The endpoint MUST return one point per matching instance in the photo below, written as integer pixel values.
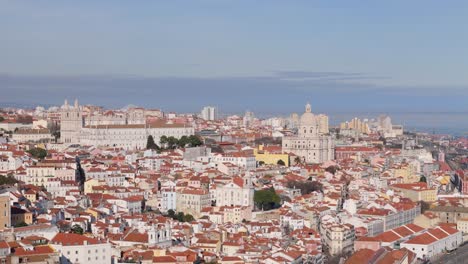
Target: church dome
(308, 119)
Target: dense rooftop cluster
(385, 197)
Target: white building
(168, 198)
(133, 135)
(239, 192)
(311, 144)
(9, 163)
(434, 241)
(209, 113)
(244, 161)
(74, 248)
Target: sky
(265, 56)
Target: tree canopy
(306, 187)
(7, 180)
(281, 162)
(180, 216)
(38, 153)
(22, 224)
(77, 229)
(266, 199)
(150, 144)
(185, 141)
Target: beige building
(462, 225)
(357, 125)
(427, 220)
(5, 219)
(310, 144)
(339, 238)
(192, 201)
(450, 214)
(19, 215)
(416, 191)
(33, 135)
(323, 123)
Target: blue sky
(268, 56)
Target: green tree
(281, 163)
(261, 163)
(195, 141)
(171, 213)
(172, 142)
(423, 179)
(188, 218)
(77, 229)
(38, 153)
(22, 224)
(183, 141)
(7, 180)
(163, 141)
(306, 187)
(150, 144)
(180, 216)
(2, 119)
(266, 199)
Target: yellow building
(270, 155)
(30, 195)
(89, 184)
(406, 172)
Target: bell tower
(71, 122)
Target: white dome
(308, 119)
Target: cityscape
(231, 132)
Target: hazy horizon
(269, 57)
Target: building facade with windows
(311, 144)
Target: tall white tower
(71, 122)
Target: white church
(312, 144)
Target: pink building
(367, 242)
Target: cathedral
(312, 143)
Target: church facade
(74, 130)
(312, 143)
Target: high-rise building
(209, 113)
(357, 125)
(323, 123)
(5, 218)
